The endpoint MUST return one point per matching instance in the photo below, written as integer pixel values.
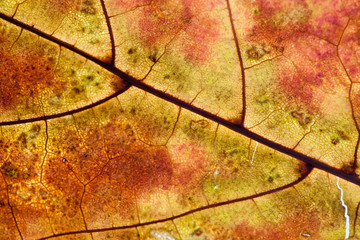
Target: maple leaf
(150, 119)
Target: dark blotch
(90, 77)
(131, 50)
(270, 179)
(76, 90)
(88, 8)
(10, 170)
(335, 141)
(22, 140)
(253, 53)
(152, 58)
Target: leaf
(179, 119)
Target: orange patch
(25, 76)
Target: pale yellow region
(192, 155)
(356, 90)
(235, 176)
(132, 56)
(215, 85)
(79, 24)
(153, 119)
(153, 206)
(35, 135)
(185, 201)
(160, 231)
(332, 140)
(314, 201)
(321, 193)
(131, 233)
(267, 114)
(80, 236)
(195, 130)
(8, 6)
(226, 155)
(217, 222)
(9, 34)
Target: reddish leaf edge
(167, 97)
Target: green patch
(22, 139)
(88, 8)
(301, 117)
(255, 53)
(10, 170)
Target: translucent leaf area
(177, 120)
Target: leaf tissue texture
(183, 119)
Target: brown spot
(118, 84)
(198, 232)
(35, 128)
(90, 77)
(22, 140)
(342, 135)
(302, 119)
(236, 121)
(153, 57)
(10, 170)
(88, 7)
(270, 179)
(195, 125)
(304, 168)
(131, 50)
(256, 53)
(335, 141)
(348, 168)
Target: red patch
(161, 21)
(142, 169)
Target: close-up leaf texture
(179, 119)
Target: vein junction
(347, 225)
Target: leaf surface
(179, 119)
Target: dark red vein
(167, 97)
(242, 120)
(214, 205)
(112, 62)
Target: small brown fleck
(198, 232)
(335, 141)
